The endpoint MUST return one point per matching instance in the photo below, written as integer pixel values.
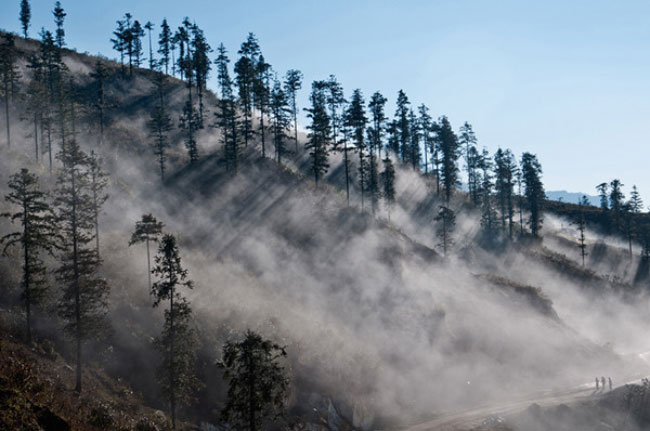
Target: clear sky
(567, 80)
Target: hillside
(380, 328)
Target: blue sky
(568, 81)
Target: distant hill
(571, 197)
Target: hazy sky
(568, 81)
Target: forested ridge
(230, 266)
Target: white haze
(366, 317)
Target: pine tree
(636, 203)
(488, 215)
(189, 123)
(446, 223)
(357, 121)
(345, 146)
(603, 192)
(164, 44)
(98, 182)
(64, 100)
(414, 154)
(425, 128)
(520, 180)
(9, 74)
(52, 67)
(160, 125)
(38, 235)
(120, 41)
(531, 171)
(582, 225)
(245, 73)
(631, 209)
(227, 120)
(616, 197)
(37, 100)
(293, 83)
(83, 303)
(201, 65)
(393, 138)
(505, 167)
(449, 153)
(137, 33)
(257, 382)
(280, 117)
(182, 39)
(387, 178)
(474, 183)
(59, 17)
(335, 101)
(152, 61)
(177, 341)
(373, 173)
(467, 140)
(376, 107)
(436, 158)
(147, 229)
(319, 137)
(128, 39)
(100, 74)
(261, 89)
(616, 205)
(402, 127)
(25, 16)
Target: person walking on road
(610, 383)
(597, 384)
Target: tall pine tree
(38, 235)
(319, 137)
(83, 303)
(177, 342)
(531, 171)
(226, 115)
(59, 17)
(449, 153)
(293, 83)
(25, 16)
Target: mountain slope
(374, 319)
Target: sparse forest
(301, 240)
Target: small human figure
(610, 383)
(597, 384)
(602, 381)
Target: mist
(372, 315)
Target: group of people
(600, 384)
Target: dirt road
(471, 418)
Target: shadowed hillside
(381, 324)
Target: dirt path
(467, 419)
(472, 418)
